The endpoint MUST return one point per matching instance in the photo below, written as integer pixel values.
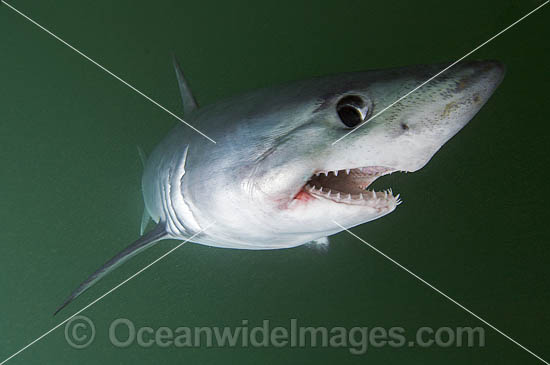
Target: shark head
(292, 160)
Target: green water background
(474, 222)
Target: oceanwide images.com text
(80, 333)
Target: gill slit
(170, 205)
(168, 219)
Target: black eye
(352, 110)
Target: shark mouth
(350, 186)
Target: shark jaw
(350, 186)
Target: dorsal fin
(189, 102)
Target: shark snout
(435, 113)
(487, 73)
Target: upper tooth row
(335, 172)
(362, 169)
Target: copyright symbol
(79, 332)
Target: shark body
(275, 178)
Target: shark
(291, 160)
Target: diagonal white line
(440, 72)
(109, 72)
(103, 296)
(439, 292)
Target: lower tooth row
(340, 195)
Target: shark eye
(352, 110)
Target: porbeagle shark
(275, 178)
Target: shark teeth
(398, 200)
(349, 186)
(360, 171)
(378, 198)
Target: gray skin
(276, 179)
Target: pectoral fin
(145, 219)
(320, 243)
(142, 156)
(323, 241)
(144, 242)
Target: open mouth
(350, 186)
